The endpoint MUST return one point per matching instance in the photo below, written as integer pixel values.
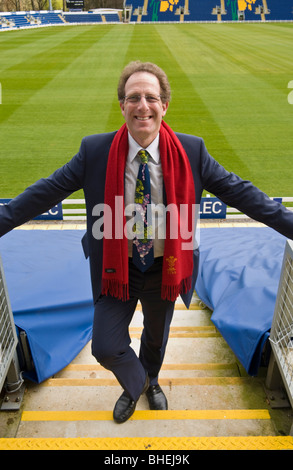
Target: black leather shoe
(125, 406)
(156, 398)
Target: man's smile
(141, 118)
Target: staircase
(213, 404)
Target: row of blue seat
(91, 18)
(76, 18)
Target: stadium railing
(211, 208)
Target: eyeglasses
(137, 98)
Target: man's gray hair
(138, 66)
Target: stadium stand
(209, 10)
(23, 19)
(44, 18)
(159, 11)
(103, 16)
(47, 17)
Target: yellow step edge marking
(200, 366)
(151, 443)
(191, 307)
(75, 382)
(183, 332)
(186, 335)
(190, 329)
(179, 306)
(143, 415)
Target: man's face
(143, 116)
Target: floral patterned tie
(143, 252)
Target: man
(175, 168)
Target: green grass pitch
(229, 86)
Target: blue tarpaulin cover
(49, 287)
(238, 278)
(50, 291)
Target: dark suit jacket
(87, 171)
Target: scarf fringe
(171, 292)
(116, 289)
(119, 290)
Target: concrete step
(145, 423)
(213, 404)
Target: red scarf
(179, 185)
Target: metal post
(273, 378)
(14, 387)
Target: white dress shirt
(156, 176)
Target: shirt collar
(153, 149)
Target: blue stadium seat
(112, 18)
(48, 17)
(82, 18)
(20, 20)
(280, 9)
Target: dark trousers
(111, 340)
